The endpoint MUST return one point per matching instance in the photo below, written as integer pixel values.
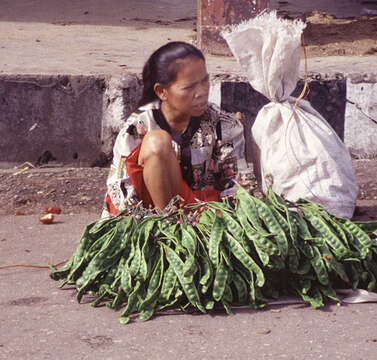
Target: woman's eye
(192, 86)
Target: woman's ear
(160, 91)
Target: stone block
(59, 115)
(121, 96)
(75, 119)
(71, 119)
(240, 96)
(328, 97)
(361, 117)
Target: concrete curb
(68, 118)
(74, 119)
(349, 104)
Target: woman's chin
(199, 110)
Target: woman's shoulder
(140, 120)
(215, 115)
(213, 110)
(145, 111)
(150, 106)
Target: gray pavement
(40, 321)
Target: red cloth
(135, 172)
(108, 205)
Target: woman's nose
(202, 89)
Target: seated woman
(175, 143)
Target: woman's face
(187, 95)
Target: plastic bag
(295, 150)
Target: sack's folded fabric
(295, 150)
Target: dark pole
(215, 15)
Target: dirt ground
(327, 35)
(73, 190)
(113, 36)
(81, 190)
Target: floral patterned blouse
(211, 152)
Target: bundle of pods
(221, 254)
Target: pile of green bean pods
(221, 255)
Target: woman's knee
(156, 142)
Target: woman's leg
(161, 173)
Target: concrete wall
(120, 99)
(361, 117)
(348, 104)
(72, 119)
(75, 119)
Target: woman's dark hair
(160, 68)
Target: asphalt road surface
(40, 321)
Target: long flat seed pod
(237, 250)
(148, 237)
(207, 217)
(319, 267)
(275, 200)
(372, 270)
(304, 266)
(367, 226)
(241, 286)
(273, 225)
(220, 206)
(221, 278)
(215, 240)
(105, 258)
(313, 297)
(333, 264)
(260, 242)
(364, 239)
(168, 284)
(154, 286)
(337, 228)
(263, 256)
(279, 204)
(188, 287)
(131, 305)
(329, 292)
(229, 256)
(62, 272)
(228, 294)
(340, 250)
(80, 260)
(247, 203)
(135, 262)
(189, 243)
(146, 314)
(233, 226)
(206, 278)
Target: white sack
(300, 156)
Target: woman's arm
(229, 155)
(120, 190)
